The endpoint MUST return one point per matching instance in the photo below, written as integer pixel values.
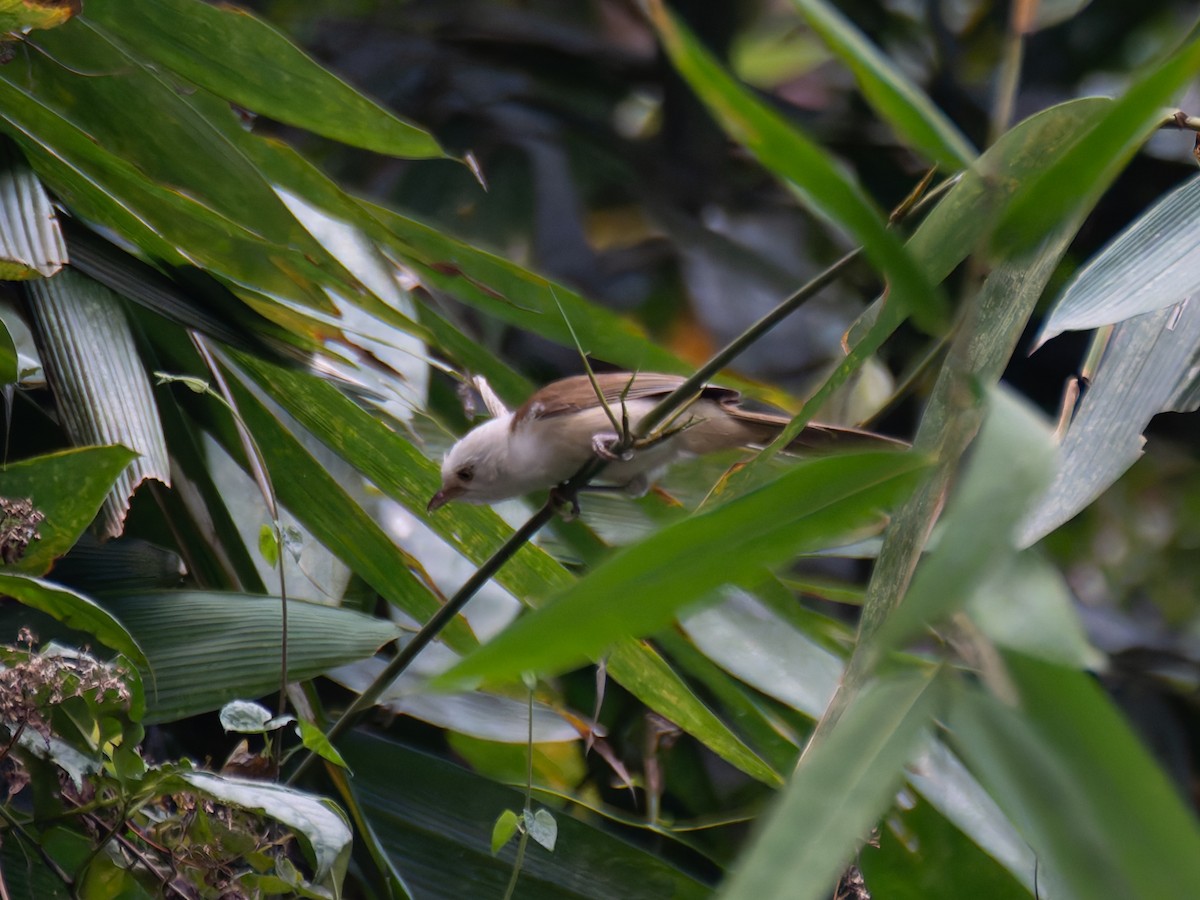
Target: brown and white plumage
(557, 430)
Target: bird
(563, 425)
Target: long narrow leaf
(893, 97)
(260, 70)
(817, 504)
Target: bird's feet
(604, 445)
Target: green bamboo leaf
(839, 791)
(84, 135)
(1075, 181)
(1013, 459)
(236, 55)
(958, 223)
(817, 504)
(1146, 361)
(783, 149)
(1101, 816)
(1149, 265)
(75, 611)
(891, 94)
(68, 488)
(194, 134)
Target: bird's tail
(759, 429)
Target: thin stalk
(528, 813)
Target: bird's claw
(604, 446)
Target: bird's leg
(605, 444)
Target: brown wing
(575, 393)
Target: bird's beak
(442, 497)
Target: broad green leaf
(783, 149)
(840, 789)
(236, 55)
(818, 503)
(311, 494)
(1160, 836)
(1074, 182)
(891, 94)
(1102, 818)
(1012, 460)
(1153, 263)
(1139, 376)
(234, 639)
(321, 826)
(75, 611)
(68, 487)
(438, 818)
(28, 875)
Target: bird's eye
(466, 473)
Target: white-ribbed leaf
(99, 384)
(321, 826)
(1146, 361)
(1152, 264)
(31, 244)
